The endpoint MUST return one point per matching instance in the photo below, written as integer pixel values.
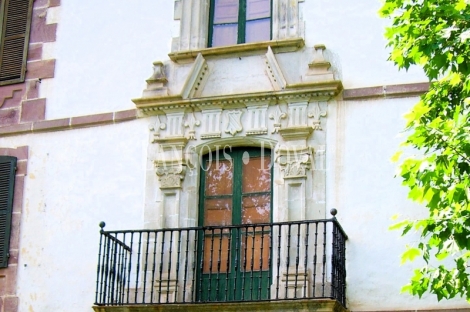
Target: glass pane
(223, 35)
(219, 177)
(256, 248)
(256, 209)
(259, 30)
(256, 9)
(226, 11)
(218, 211)
(216, 247)
(257, 175)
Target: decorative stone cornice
(283, 45)
(306, 91)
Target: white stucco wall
(80, 177)
(104, 53)
(362, 136)
(353, 33)
(75, 180)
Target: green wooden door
(234, 256)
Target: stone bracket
(197, 78)
(274, 71)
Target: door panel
(235, 192)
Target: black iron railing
(255, 262)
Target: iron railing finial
(333, 212)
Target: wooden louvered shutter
(15, 17)
(7, 184)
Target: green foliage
(435, 34)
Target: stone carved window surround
(176, 167)
(193, 17)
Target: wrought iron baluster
(130, 267)
(307, 231)
(99, 281)
(118, 273)
(315, 252)
(210, 264)
(229, 254)
(243, 268)
(154, 262)
(270, 246)
(237, 259)
(123, 270)
(170, 260)
(297, 259)
(218, 266)
(279, 228)
(106, 271)
(144, 286)
(202, 233)
(160, 269)
(178, 254)
(324, 260)
(139, 252)
(288, 260)
(186, 256)
(261, 263)
(252, 261)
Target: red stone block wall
(8, 276)
(20, 103)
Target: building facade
(220, 134)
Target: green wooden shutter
(7, 184)
(15, 17)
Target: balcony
(255, 267)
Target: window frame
(20, 75)
(235, 156)
(241, 32)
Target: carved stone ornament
(294, 163)
(170, 176)
(233, 122)
(318, 69)
(316, 113)
(277, 115)
(156, 84)
(156, 129)
(191, 123)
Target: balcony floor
(318, 305)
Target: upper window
(15, 21)
(239, 21)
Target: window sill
(284, 45)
